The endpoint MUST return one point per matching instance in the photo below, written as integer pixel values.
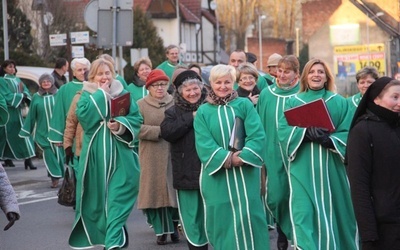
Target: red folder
(119, 106)
(312, 114)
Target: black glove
(69, 155)
(320, 136)
(11, 217)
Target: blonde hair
(222, 70)
(328, 85)
(96, 65)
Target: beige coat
(73, 129)
(155, 189)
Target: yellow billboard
(350, 59)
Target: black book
(238, 136)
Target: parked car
(30, 76)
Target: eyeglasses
(162, 85)
(247, 79)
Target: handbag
(67, 192)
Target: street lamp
(260, 18)
(367, 24)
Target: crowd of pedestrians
(220, 161)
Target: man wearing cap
(272, 65)
(238, 57)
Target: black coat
(177, 128)
(373, 151)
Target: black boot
(175, 235)
(28, 163)
(191, 247)
(282, 242)
(8, 163)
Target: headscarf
(367, 102)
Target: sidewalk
(19, 176)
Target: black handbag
(67, 193)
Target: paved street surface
(46, 225)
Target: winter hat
(273, 59)
(156, 75)
(177, 71)
(183, 76)
(46, 76)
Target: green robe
(14, 146)
(3, 111)
(168, 68)
(234, 213)
(122, 81)
(270, 107)
(353, 101)
(320, 204)
(109, 171)
(37, 125)
(63, 101)
(137, 92)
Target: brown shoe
(162, 239)
(54, 183)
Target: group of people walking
(220, 160)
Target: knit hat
(183, 76)
(156, 75)
(273, 59)
(46, 76)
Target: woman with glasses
(157, 196)
(247, 76)
(320, 205)
(230, 175)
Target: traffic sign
(58, 39)
(79, 37)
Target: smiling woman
(320, 196)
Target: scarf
(51, 91)
(212, 98)
(187, 106)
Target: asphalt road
(46, 225)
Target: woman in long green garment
(108, 168)
(37, 125)
(230, 180)
(141, 70)
(320, 205)
(17, 98)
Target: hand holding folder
(312, 114)
(119, 106)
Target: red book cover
(119, 106)
(312, 114)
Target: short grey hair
(81, 60)
(188, 82)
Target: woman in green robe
(18, 99)
(108, 168)
(320, 205)
(230, 179)
(141, 70)
(37, 125)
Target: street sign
(124, 23)
(122, 4)
(78, 51)
(79, 37)
(58, 39)
(136, 54)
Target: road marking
(35, 201)
(37, 197)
